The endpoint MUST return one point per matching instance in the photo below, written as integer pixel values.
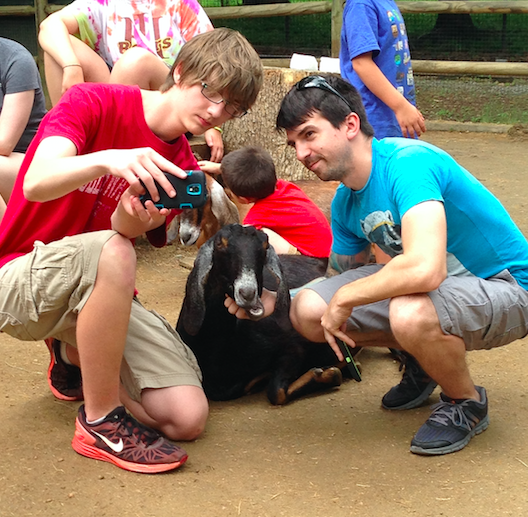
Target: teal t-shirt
(482, 239)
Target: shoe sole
(83, 448)
(57, 394)
(454, 447)
(415, 402)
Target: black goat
(235, 354)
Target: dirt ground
(335, 454)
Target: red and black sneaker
(64, 380)
(120, 439)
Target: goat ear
(193, 309)
(222, 207)
(282, 304)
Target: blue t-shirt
(377, 26)
(482, 239)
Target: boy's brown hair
(249, 172)
(225, 60)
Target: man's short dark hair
(249, 172)
(300, 104)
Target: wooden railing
(43, 8)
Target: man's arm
(421, 268)
(409, 117)
(14, 118)
(343, 263)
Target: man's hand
(334, 324)
(268, 299)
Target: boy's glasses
(316, 81)
(216, 98)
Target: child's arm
(409, 117)
(209, 167)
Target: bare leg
(140, 67)
(179, 412)
(281, 245)
(416, 328)
(102, 327)
(306, 311)
(95, 70)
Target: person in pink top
(293, 222)
(120, 41)
(67, 260)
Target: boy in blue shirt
(375, 58)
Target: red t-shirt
(295, 217)
(94, 117)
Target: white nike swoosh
(116, 447)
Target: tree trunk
(258, 126)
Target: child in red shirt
(293, 222)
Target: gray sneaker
(414, 388)
(451, 425)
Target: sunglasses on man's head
(316, 81)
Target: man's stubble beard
(339, 170)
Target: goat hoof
(281, 397)
(332, 376)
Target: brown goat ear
(283, 302)
(222, 207)
(193, 309)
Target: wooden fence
(43, 8)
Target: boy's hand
(213, 138)
(142, 165)
(411, 120)
(131, 218)
(209, 167)
(146, 213)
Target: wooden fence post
(337, 22)
(40, 14)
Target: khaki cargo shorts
(41, 294)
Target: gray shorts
(485, 313)
(41, 294)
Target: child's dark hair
(249, 172)
(300, 104)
